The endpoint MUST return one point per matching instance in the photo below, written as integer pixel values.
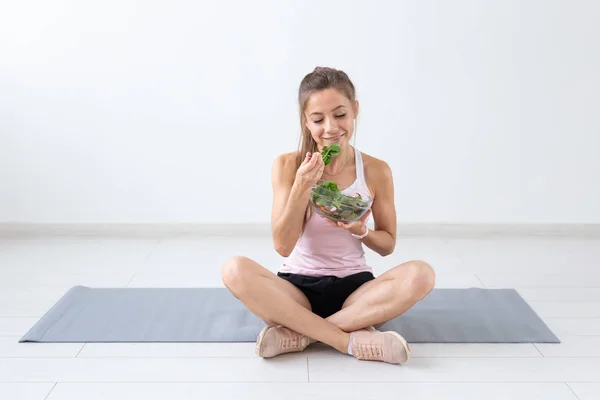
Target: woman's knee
(421, 275)
(236, 272)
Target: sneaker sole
(404, 344)
(260, 338)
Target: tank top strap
(360, 168)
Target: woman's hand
(311, 170)
(358, 227)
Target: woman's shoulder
(289, 157)
(284, 165)
(375, 167)
(286, 160)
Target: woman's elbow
(282, 249)
(385, 252)
(283, 252)
(388, 250)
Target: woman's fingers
(366, 216)
(321, 162)
(306, 159)
(314, 161)
(315, 158)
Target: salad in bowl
(344, 204)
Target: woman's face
(330, 117)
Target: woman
(325, 291)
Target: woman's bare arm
(290, 199)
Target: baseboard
(143, 230)
(162, 231)
(500, 230)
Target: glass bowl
(339, 203)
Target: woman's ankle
(344, 343)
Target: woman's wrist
(362, 234)
(300, 190)
(301, 187)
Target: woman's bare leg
(385, 298)
(278, 302)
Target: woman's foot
(275, 340)
(373, 345)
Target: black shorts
(327, 294)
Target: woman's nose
(330, 126)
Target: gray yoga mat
(85, 314)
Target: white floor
(559, 277)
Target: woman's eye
(321, 120)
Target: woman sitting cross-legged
(324, 290)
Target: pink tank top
(325, 250)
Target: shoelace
(369, 350)
(293, 343)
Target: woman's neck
(338, 164)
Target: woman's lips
(334, 137)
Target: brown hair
(320, 78)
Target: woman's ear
(356, 108)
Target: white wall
(172, 111)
